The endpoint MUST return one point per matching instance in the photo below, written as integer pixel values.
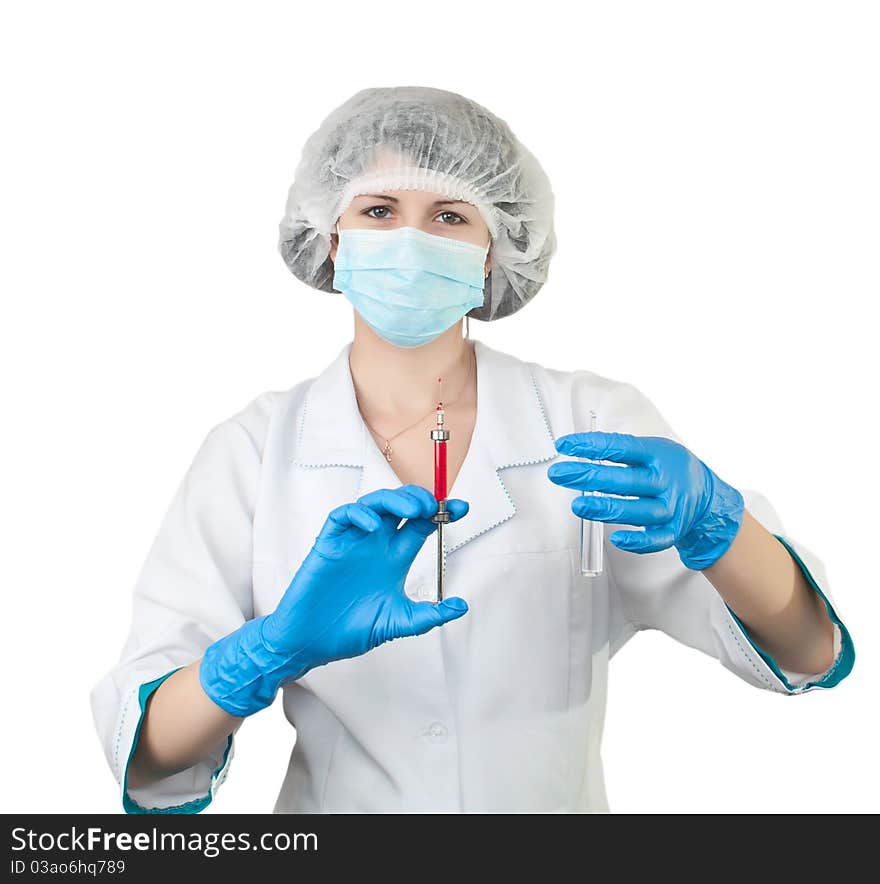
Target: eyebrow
(394, 199)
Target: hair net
(420, 138)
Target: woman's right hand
(346, 598)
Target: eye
(377, 208)
(460, 220)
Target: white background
(716, 175)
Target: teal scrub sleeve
(130, 802)
(844, 650)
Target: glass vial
(592, 533)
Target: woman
(301, 541)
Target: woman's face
(431, 212)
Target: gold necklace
(387, 450)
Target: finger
(425, 525)
(647, 541)
(638, 481)
(618, 447)
(644, 511)
(423, 496)
(347, 516)
(394, 504)
(457, 508)
(427, 615)
(411, 536)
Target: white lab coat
(499, 711)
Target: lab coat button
(425, 592)
(437, 732)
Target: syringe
(440, 436)
(592, 533)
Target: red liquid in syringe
(440, 461)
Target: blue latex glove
(346, 598)
(682, 503)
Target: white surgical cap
(420, 138)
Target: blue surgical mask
(409, 286)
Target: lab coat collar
(511, 430)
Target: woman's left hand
(681, 502)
